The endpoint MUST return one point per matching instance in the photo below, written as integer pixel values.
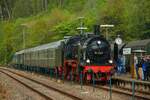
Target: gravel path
(50, 93)
(86, 93)
(17, 91)
(3, 92)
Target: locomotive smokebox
(97, 29)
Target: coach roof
(42, 47)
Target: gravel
(3, 92)
(17, 91)
(50, 93)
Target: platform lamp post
(118, 41)
(24, 44)
(81, 28)
(106, 26)
(5, 54)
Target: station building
(138, 48)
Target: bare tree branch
(7, 8)
(1, 13)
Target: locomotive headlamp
(88, 60)
(99, 42)
(110, 61)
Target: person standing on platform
(148, 69)
(136, 66)
(123, 63)
(144, 69)
(119, 65)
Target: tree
(138, 19)
(1, 13)
(112, 12)
(22, 8)
(7, 8)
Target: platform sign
(126, 51)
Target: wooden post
(132, 65)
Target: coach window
(51, 52)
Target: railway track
(124, 83)
(9, 73)
(29, 87)
(141, 88)
(125, 92)
(118, 87)
(130, 87)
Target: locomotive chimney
(97, 29)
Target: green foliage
(44, 21)
(22, 8)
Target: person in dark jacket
(148, 69)
(144, 68)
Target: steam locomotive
(86, 54)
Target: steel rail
(29, 87)
(138, 91)
(45, 85)
(119, 90)
(123, 91)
